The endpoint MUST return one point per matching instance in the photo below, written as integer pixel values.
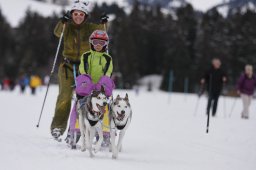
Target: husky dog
(120, 118)
(90, 110)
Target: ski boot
(106, 140)
(56, 133)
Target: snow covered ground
(165, 134)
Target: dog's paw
(114, 151)
(114, 156)
(83, 149)
(120, 149)
(91, 155)
(96, 149)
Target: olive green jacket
(76, 38)
(96, 64)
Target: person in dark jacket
(214, 79)
(245, 88)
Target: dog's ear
(102, 89)
(118, 97)
(94, 93)
(126, 97)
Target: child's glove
(107, 83)
(201, 91)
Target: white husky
(120, 118)
(91, 110)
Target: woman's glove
(66, 17)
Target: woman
(76, 35)
(245, 88)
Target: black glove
(104, 19)
(66, 17)
(201, 91)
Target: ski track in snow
(164, 134)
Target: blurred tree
(7, 44)
(181, 51)
(212, 41)
(242, 34)
(36, 42)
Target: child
(97, 62)
(95, 68)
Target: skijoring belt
(69, 61)
(68, 64)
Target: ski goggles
(81, 14)
(95, 42)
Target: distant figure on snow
(35, 81)
(23, 82)
(245, 88)
(214, 79)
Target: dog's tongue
(102, 109)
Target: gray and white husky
(91, 110)
(120, 119)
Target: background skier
(245, 88)
(214, 79)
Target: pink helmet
(99, 34)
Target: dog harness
(120, 127)
(93, 113)
(88, 110)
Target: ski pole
(224, 101)
(201, 91)
(105, 27)
(197, 104)
(74, 72)
(232, 108)
(224, 106)
(52, 71)
(208, 114)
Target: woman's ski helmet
(81, 6)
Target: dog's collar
(93, 123)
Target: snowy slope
(14, 10)
(163, 135)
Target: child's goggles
(95, 42)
